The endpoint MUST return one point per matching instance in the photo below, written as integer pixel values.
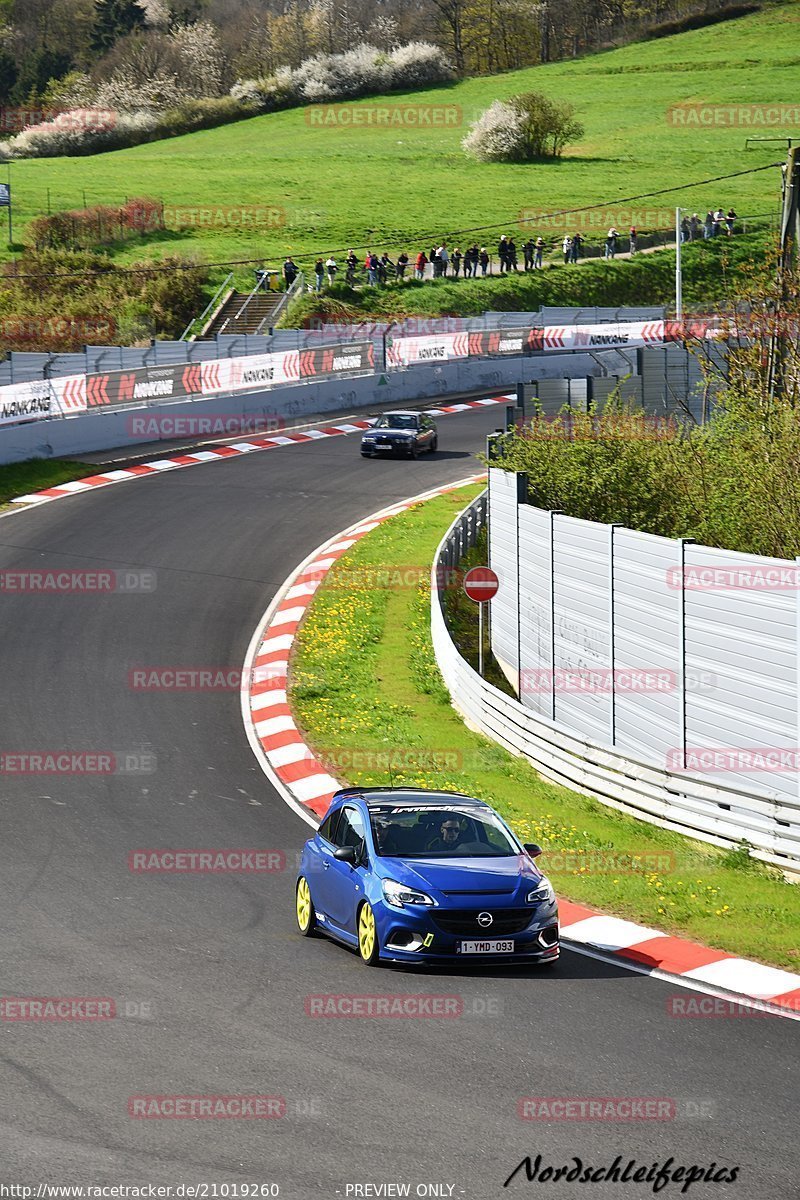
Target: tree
(37, 70)
(113, 20)
(8, 74)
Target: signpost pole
(481, 584)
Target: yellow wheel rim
(366, 932)
(303, 905)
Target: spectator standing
(319, 274)
(717, 220)
(610, 248)
(289, 272)
(483, 259)
(538, 252)
(402, 263)
(386, 268)
(372, 269)
(730, 217)
(527, 251)
(708, 225)
(436, 261)
(456, 261)
(694, 227)
(331, 269)
(633, 238)
(444, 258)
(566, 247)
(511, 251)
(352, 265)
(502, 253)
(685, 230)
(577, 246)
(420, 265)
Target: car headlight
(370, 440)
(543, 892)
(399, 895)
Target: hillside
(402, 187)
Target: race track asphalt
(207, 973)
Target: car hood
(464, 878)
(391, 433)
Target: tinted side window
(350, 830)
(327, 829)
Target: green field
(393, 187)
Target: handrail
(208, 307)
(297, 285)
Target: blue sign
(5, 195)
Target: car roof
(380, 797)
(402, 412)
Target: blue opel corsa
(409, 875)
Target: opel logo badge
(485, 920)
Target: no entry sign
(481, 584)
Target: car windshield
(436, 832)
(397, 421)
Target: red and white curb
(61, 490)
(279, 745)
(308, 788)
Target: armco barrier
(116, 426)
(719, 813)
(65, 396)
(70, 395)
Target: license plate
(486, 947)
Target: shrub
(100, 225)
(523, 129)
(497, 135)
(357, 72)
(71, 133)
(159, 105)
(57, 299)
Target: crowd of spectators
(440, 262)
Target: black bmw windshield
(440, 833)
(396, 421)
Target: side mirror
(532, 849)
(346, 854)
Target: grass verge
(18, 479)
(366, 691)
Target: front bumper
(391, 446)
(408, 936)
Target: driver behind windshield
(450, 836)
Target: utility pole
(787, 265)
(678, 275)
